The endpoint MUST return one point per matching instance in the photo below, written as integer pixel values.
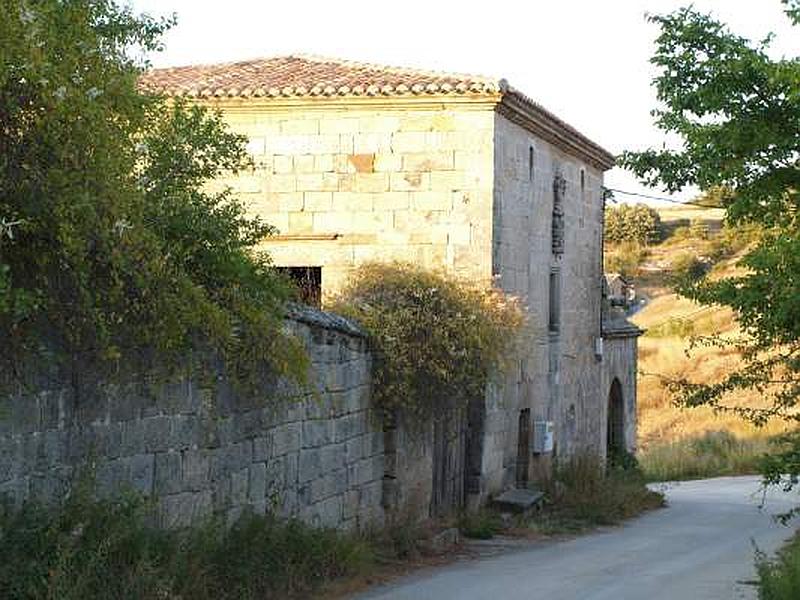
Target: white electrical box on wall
(598, 348)
(542, 437)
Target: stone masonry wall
(558, 375)
(349, 185)
(201, 448)
(619, 362)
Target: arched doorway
(615, 437)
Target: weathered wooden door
(449, 449)
(473, 452)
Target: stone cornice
(270, 105)
(510, 103)
(303, 237)
(526, 113)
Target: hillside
(672, 440)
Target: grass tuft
(481, 525)
(92, 549)
(712, 454)
(584, 494)
(779, 578)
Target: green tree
(109, 238)
(737, 111)
(718, 196)
(632, 223)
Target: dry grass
(681, 443)
(697, 442)
(660, 356)
(687, 213)
(712, 454)
(584, 494)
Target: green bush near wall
(97, 550)
(436, 339)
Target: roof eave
(518, 108)
(261, 102)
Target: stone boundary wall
(201, 448)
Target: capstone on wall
(345, 186)
(200, 448)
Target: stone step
(519, 500)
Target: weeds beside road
(712, 454)
(581, 496)
(95, 549)
(779, 578)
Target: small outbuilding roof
(612, 277)
(314, 77)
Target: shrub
(110, 238)
(732, 239)
(681, 233)
(779, 578)
(632, 223)
(436, 340)
(96, 550)
(626, 259)
(698, 229)
(685, 266)
(87, 550)
(719, 196)
(481, 525)
(584, 492)
(262, 557)
(673, 327)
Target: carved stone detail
(559, 191)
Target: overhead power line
(663, 199)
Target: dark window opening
(523, 447)
(308, 281)
(531, 162)
(583, 180)
(553, 320)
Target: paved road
(698, 548)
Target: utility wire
(685, 317)
(662, 199)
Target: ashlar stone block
(168, 473)
(310, 466)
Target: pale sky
(585, 60)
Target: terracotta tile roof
(297, 75)
(302, 76)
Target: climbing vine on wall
(436, 340)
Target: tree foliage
(436, 340)
(718, 196)
(737, 111)
(109, 238)
(632, 223)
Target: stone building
(620, 290)
(357, 162)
